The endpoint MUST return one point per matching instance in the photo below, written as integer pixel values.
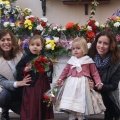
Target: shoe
(5, 114)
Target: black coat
(110, 91)
(22, 63)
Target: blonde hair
(83, 44)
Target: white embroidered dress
(76, 96)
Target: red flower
(46, 97)
(32, 19)
(91, 22)
(69, 25)
(40, 64)
(90, 34)
(77, 27)
(43, 24)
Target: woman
(105, 54)
(10, 54)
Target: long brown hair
(113, 50)
(15, 48)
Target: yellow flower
(30, 27)
(52, 43)
(6, 2)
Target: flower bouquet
(50, 95)
(38, 66)
(54, 95)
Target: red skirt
(33, 105)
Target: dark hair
(15, 48)
(37, 37)
(113, 50)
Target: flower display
(40, 64)
(71, 30)
(113, 24)
(53, 47)
(58, 38)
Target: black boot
(5, 114)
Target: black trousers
(11, 99)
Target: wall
(58, 13)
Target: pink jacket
(88, 70)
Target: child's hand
(27, 68)
(99, 86)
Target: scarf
(102, 63)
(77, 62)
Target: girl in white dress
(77, 97)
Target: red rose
(43, 24)
(46, 97)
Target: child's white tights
(73, 117)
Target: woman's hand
(24, 82)
(91, 84)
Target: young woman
(10, 94)
(33, 105)
(106, 55)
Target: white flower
(31, 16)
(58, 29)
(6, 12)
(89, 28)
(12, 24)
(56, 39)
(48, 46)
(63, 29)
(54, 28)
(6, 24)
(7, 6)
(97, 24)
(47, 39)
(89, 45)
(52, 95)
(117, 24)
(44, 19)
(39, 27)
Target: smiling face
(103, 45)
(76, 50)
(35, 46)
(6, 43)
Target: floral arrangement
(113, 24)
(40, 64)
(53, 47)
(24, 25)
(71, 30)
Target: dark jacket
(110, 90)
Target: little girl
(33, 107)
(77, 98)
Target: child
(33, 107)
(77, 98)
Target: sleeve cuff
(15, 84)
